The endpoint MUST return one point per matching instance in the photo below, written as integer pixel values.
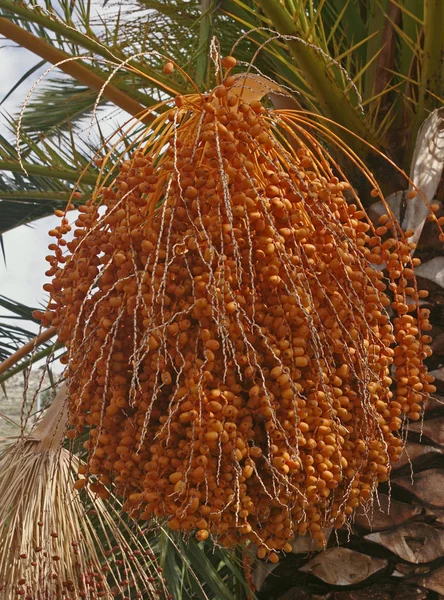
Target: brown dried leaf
(403, 569)
(414, 542)
(432, 428)
(260, 573)
(341, 566)
(438, 373)
(379, 517)
(437, 514)
(383, 591)
(304, 543)
(428, 486)
(414, 451)
(435, 402)
(434, 581)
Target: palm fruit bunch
(243, 345)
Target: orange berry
(228, 62)
(168, 68)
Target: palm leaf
(16, 334)
(66, 103)
(23, 78)
(44, 188)
(12, 337)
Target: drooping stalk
(27, 348)
(73, 67)
(78, 37)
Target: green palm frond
(57, 104)
(47, 185)
(66, 103)
(354, 35)
(18, 310)
(75, 34)
(199, 569)
(17, 328)
(29, 73)
(345, 44)
(12, 337)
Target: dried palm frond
(55, 544)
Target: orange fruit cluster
(229, 342)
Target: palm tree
(372, 68)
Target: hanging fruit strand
(228, 325)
